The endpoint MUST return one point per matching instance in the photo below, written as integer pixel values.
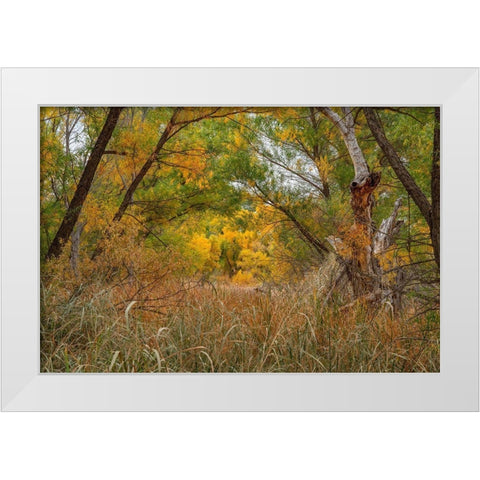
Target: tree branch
(346, 125)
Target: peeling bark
(364, 276)
(346, 125)
(361, 266)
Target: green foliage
(237, 197)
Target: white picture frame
(455, 388)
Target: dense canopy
(240, 238)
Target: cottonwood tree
(168, 132)
(361, 246)
(290, 168)
(430, 211)
(84, 184)
(180, 119)
(279, 156)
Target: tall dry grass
(91, 327)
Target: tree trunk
(167, 134)
(363, 273)
(310, 239)
(75, 207)
(127, 199)
(360, 262)
(431, 213)
(394, 160)
(382, 240)
(435, 188)
(346, 125)
(389, 228)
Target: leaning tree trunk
(430, 212)
(357, 246)
(166, 135)
(83, 187)
(168, 132)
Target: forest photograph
(242, 239)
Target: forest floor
(224, 327)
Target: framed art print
(240, 239)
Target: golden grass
(228, 328)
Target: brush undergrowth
(91, 327)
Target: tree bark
(127, 199)
(83, 187)
(394, 160)
(168, 133)
(361, 267)
(346, 125)
(435, 188)
(363, 274)
(431, 213)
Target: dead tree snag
(357, 248)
